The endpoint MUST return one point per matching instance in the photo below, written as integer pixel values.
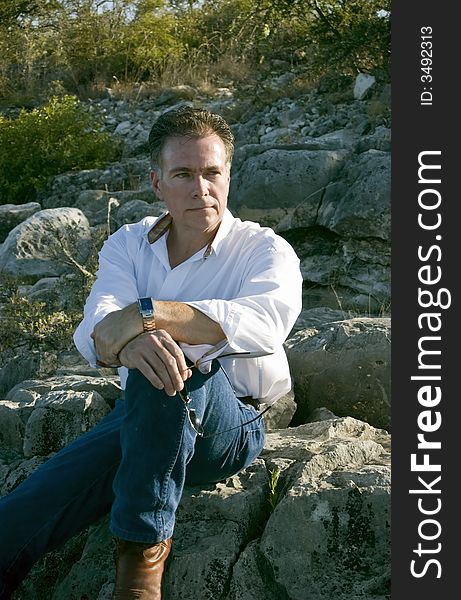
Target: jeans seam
(166, 478)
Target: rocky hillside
(310, 519)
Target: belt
(254, 402)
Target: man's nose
(201, 186)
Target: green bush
(89, 49)
(30, 324)
(60, 136)
(350, 36)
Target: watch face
(145, 305)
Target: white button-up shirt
(248, 280)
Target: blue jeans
(135, 463)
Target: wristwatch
(147, 311)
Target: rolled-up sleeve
(262, 314)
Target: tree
(13, 12)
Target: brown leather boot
(139, 570)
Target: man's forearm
(187, 324)
(181, 321)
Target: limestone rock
(59, 417)
(321, 530)
(26, 364)
(337, 219)
(379, 139)
(91, 570)
(358, 270)
(12, 427)
(18, 471)
(99, 205)
(316, 317)
(17, 369)
(176, 93)
(213, 523)
(65, 189)
(363, 84)
(345, 367)
(328, 536)
(342, 537)
(269, 185)
(107, 387)
(22, 396)
(135, 210)
(13, 214)
(35, 246)
(280, 414)
(355, 204)
(358, 205)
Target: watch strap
(149, 324)
(147, 311)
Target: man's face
(193, 182)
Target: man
(172, 295)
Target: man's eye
(182, 175)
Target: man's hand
(115, 331)
(182, 322)
(159, 358)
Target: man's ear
(155, 179)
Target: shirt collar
(159, 228)
(162, 225)
(223, 231)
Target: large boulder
(332, 205)
(65, 189)
(16, 369)
(345, 272)
(60, 417)
(107, 387)
(41, 245)
(328, 535)
(356, 204)
(101, 207)
(16, 471)
(135, 210)
(308, 519)
(40, 417)
(12, 427)
(279, 415)
(316, 317)
(25, 365)
(363, 85)
(269, 185)
(344, 366)
(359, 204)
(13, 214)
